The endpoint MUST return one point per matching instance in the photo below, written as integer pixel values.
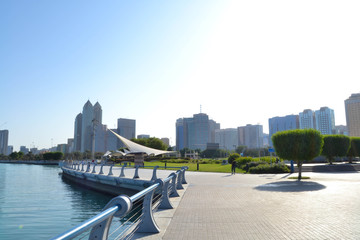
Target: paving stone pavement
(244, 206)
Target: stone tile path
(224, 206)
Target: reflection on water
(35, 203)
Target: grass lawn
(193, 166)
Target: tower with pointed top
(87, 126)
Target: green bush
(252, 164)
(233, 156)
(242, 161)
(335, 146)
(175, 160)
(267, 168)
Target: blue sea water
(36, 203)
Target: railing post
(110, 171)
(148, 224)
(165, 200)
(82, 166)
(88, 167)
(183, 175)
(174, 192)
(179, 180)
(153, 178)
(93, 171)
(122, 174)
(101, 169)
(136, 175)
(101, 230)
(78, 166)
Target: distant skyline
(156, 61)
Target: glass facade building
(277, 124)
(352, 110)
(196, 132)
(325, 120)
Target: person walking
(233, 167)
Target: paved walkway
(244, 206)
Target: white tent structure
(137, 148)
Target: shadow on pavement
(291, 186)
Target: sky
(243, 62)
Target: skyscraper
(227, 138)
(127, 129)
(196, 132)
(87, 127)
(4, 138)
(277, 124)
(251, 136)
(307, 119)
(77, 133)
(352, 110)
(325, 120)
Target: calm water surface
(36, 203)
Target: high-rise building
(307, 119)
(227, 138)
(87, 127)
(325, 120)
(24, 149)
(77, 133)
(278, 124)
(70, 145)
(111, 140)
(341, 129)
(166, 141)
(4, 138)
(352, 110)
(180, 144)
(251, 136)
(10, 150)
(127, 129)
(196, 132)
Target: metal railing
(135, 212)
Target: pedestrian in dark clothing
(233, 167)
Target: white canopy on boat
(136, 148)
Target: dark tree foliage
(354, 150)
(298, 145)
(53, 155)
(155, 143)
(16, 155)
(335, 146)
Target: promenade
(270, 206)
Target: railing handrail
(121, 205)
(84, 226)
(141, 194)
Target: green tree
(298, 145)
(354, 150)
(152, 142)
(53, 155)
(335, 146)
(156, 143)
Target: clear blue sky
(156, 61)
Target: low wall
(104, 183)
